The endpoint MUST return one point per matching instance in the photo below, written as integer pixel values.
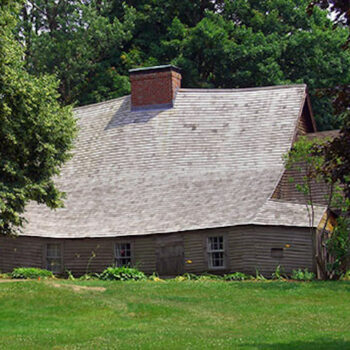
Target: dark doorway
(170, 255)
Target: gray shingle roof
(213, 160)
(279, 213)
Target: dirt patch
(76, 288)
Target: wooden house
(176, 180)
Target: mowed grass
(175, 315)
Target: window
(277, 253)
(123, 254)
(216, 252)
(54, 258)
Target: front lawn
(174, 315)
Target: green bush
(259, 276)
(210, 277)
(279, 273)
(121, 274)
(194, 277)
(346, 276)
(302, 275)
(237, 276)
(30, 272)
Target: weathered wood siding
(286, 189)
(247, 248)
(20, 252)
(305, 122)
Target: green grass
(175, 315)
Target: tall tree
(36, 133)
(255, 43)
(77, 41)
(337, 151)
(91, 44)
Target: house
(176, 180)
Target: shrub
(346, 276)
(237, 276)
(210, 277)
(279, 273)
(123, 273)
(187, 277)
(194, 277)
(88, 277)
(259, 276)
(302, 275)
(155, 278)
(30, 272)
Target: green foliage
(259, 276)
(338, 246)
(155, 278)
(237, 276)
(202, 278)
(70, 275)
(88, 277)
(302, 275)
(36, 133)
(30, 272)
(345, 276)
(315, 160)
(279, 273)
(122, 274)
(91, 45)
(81, 43)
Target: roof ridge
(100, 103)
(274, 87)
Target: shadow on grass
(277, 285)
(320, 344)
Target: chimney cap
(153, 69)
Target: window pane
(215, 243)
(215, 249)
(54, 250)
(54, 265)
(123, 254)
(217, 259)
(53, 258)
(277, 252)
(123, 262)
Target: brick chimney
(154, 87)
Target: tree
(36, 133)
(257, 43)
(90, 45)
(332, 248)
(337, 151)
(78, 42)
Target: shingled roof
(213, 160)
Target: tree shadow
(320, 344)
(290, 285)
(124, 116)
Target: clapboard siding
(287, 191)
(20, 252)
(248, 249)
(298, 255)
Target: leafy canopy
(36, 133)
(92, 44)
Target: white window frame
(118, 257)
(212, 251)
(58, 257)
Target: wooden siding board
(249, 247)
